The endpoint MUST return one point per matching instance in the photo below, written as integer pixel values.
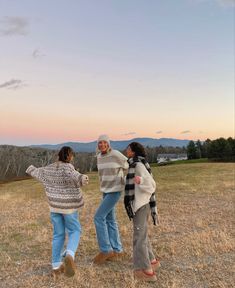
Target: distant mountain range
(119, 145)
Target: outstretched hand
(85, 180)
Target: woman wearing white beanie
(111, 164)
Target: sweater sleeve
(147, 183)
(121, 159)
(74, 174)
(36, 173)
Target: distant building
(171, 157)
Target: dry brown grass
(195, 239)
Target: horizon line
(126, 140)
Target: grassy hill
(194, 240)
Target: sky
(72, 70)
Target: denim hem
(56, 265)
(70, 252)
(118, 251)
(105, 252)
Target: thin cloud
(129, 133)
(10, 26)
(159, 132)
(37, 54)
(13, 84)
(185, 132)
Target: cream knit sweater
(144, 190)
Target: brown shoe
(102, 257)
(69, 266)
(57, 272)
(155, 264)
(143, 275)
(117, 256)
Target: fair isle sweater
(62, 185)
(110, 167)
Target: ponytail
(64, 153)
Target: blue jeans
(106, 225)
(64, 223)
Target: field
(195, 238)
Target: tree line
(14, 160)
(220, 149)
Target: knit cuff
(30, 169)
(84, 180)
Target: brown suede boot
(69, 266)
(102, 257)
(117, 256)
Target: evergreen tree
(191, 150)
(231, 143)
(199, 149)
(205, 147)
(220, 149)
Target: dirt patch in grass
(195, 239)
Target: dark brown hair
(138, 149)
(64, 153)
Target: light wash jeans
(106, 225)
(64, 224)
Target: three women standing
(62, 184)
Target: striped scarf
(130, 189)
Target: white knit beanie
(104, 137)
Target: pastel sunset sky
(71, 70)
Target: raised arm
(80, 179)
(122, 160)
(146, 181)
(35, 172)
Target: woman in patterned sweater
(62, 185)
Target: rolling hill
(119, 145)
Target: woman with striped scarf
(139, 201)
